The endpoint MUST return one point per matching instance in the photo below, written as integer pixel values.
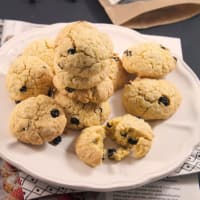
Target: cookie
(77, 63)
(149, 60)
(28, 76)
(81, 50)
(117, 73)
(151, 99)
(64, 80)
(37, 120)
(43, 49)
(97, 94)
(132, 133)
(80, 115)
(89, 145)
(78, 25)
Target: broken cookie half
(130, 133)
(89, 145)
(133, 136)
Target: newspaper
(176, 188)
(179, 188)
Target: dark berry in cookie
(56, 141)
(111, 152)
(71, 51)
(55, 113)
(23, 89)
(17, 101)
(109, 125)
(74, 120)
(132, 141)
(70, 90)
(163, 100)
(50, 92)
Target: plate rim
(99, 187)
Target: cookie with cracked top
(37, 120)
(149, 60)
(82, 50)
(28, 76)
(151, 99)
(43, 49)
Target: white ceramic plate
(174, 138)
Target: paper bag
(141, 14)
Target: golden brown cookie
(131, 133)
(151, 99)
(28, 76)
(149, 60)
(37, 120)
(89, 145)
(43, 49)
(82, 50)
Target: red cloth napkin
(12, 185)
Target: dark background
(51, 11)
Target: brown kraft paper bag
(140, 14)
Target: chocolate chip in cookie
(50, 92)
(75, 121)
(55, 113)
(132, 141)
(23, 89)
(164, 100)
(109, 125)
(111, 152)
(70, 90)
(24, 129)
(17, 101)
(56, 141)
(71, 51)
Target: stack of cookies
(63, 83)
(86, 74)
